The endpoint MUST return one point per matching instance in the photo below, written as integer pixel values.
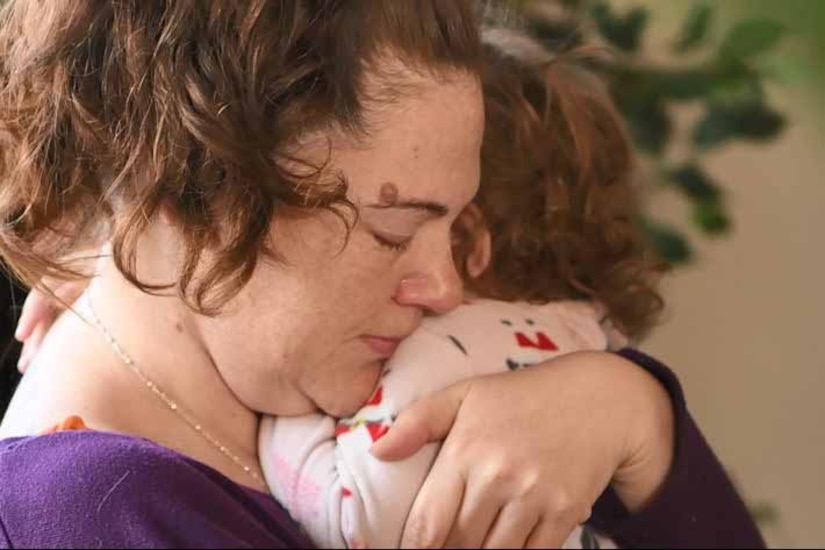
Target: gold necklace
(169, 402)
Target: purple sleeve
(94, 489)
(697, 507)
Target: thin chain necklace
(169, 402)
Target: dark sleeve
(697, 507)
(97, 490)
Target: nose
(437, 290)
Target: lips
(384, 347)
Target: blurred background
(745, 323)
(725, 101)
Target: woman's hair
(556, 189)
(111, 110)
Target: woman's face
(313, 330)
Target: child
(553, 263)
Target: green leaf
(695, 28)
(735, 87)
(555, 35)
(649, 124)
(668, 243)
(755, 122)
(572, 4)
(683, 84)
(623, 32)
(695, 183)
(750, 38)
(787, 69)
(711, 218)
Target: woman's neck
(156, 332)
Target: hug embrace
(334, 274)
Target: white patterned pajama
(320, 468)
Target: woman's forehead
(427, 147)
(423, 147)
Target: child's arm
(469, 342)
(379, 495)
(297, 456)
(368, 499)
(321, 469)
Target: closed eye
(394, 243)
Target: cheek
(290, 341)
(360, 281)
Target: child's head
(556, 192)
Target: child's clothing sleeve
(298, 458)
(321, 470)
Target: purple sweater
(96, 489)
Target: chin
(344, 407)
(295, 405)
(347, 400)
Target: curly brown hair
(556, 192)
(111, 110)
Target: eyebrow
(433, 209)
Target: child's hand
(38, 315)
(527, 453)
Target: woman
(277, 186)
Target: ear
(480, 250)
(479, 257)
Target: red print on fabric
(341, 429)
(346, 492)
(377, 430)
(541, 342)
(377, 397)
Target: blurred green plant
(727, 79)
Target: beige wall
(746, 323)
(745, 329)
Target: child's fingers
(39, 310)
(37, 316)
(27, 320)
(43, 308)
(32, 344)
(26, 354)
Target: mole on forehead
(387, 194)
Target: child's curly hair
(556, 190)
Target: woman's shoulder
(85, 488)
